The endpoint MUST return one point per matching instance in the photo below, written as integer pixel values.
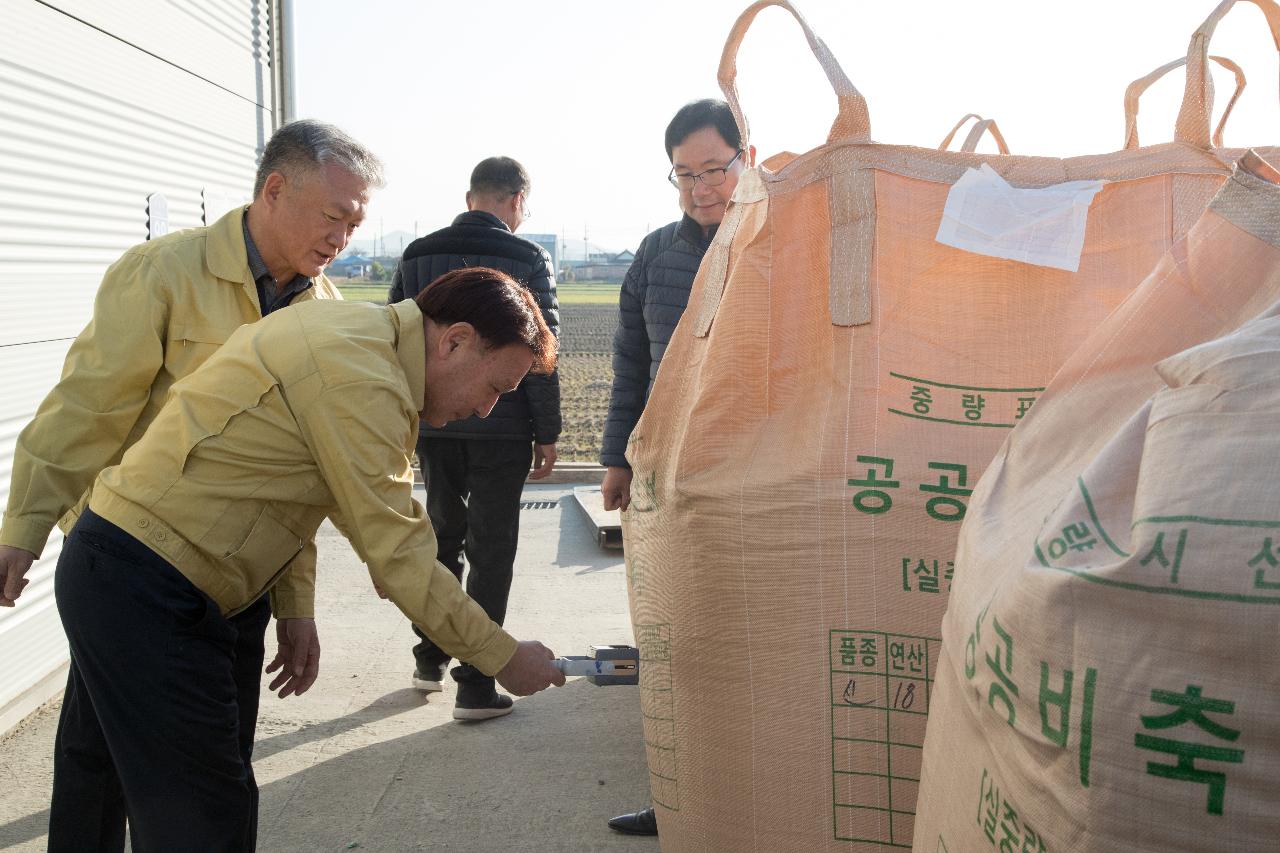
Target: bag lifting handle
(981, 126)
(1139, 86)
(853, 122)
(1197, 100)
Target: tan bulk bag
(835, 388)
(1108, 677)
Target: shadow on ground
(396, 702)
(24, 829)
(543, 780)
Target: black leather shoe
(643, 822)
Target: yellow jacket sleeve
(359, 434)
(84, 422)
(294, 594)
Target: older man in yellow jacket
(161, 311)
(312, 412)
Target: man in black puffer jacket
(706, 153)
(475, 468)
(707, 157)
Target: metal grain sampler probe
(606, 665)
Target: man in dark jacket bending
(475, 468)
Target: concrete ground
(365, 762)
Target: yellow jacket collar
(225, 252)
(411, 348)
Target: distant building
(600, 266)
(352, 266)
(550, 242)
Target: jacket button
(142, 522)
(160, 536)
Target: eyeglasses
(524, 203)
(709, 177)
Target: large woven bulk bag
(1108, 677)
(836, 387)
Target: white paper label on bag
(1044, 226)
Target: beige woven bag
(838, 383)
(1107, 680)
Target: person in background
(164, 308)
(707, 156)
(475, 469)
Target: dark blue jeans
(161, 704)
(473, 499)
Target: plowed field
(586, 375)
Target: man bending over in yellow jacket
(312, 412)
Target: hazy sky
(580, 91)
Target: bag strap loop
(981, 126)
(1139, 86)
(853, 122)
(1194, 116)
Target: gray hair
(304, 145)
(499, 176)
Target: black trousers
(161, 704)
(473, 499)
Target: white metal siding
(102, 104)
(223, 41)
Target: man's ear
(273, 189)
(751, 156)
(455, 338)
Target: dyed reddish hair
(499, 308)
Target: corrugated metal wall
(101, 105)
